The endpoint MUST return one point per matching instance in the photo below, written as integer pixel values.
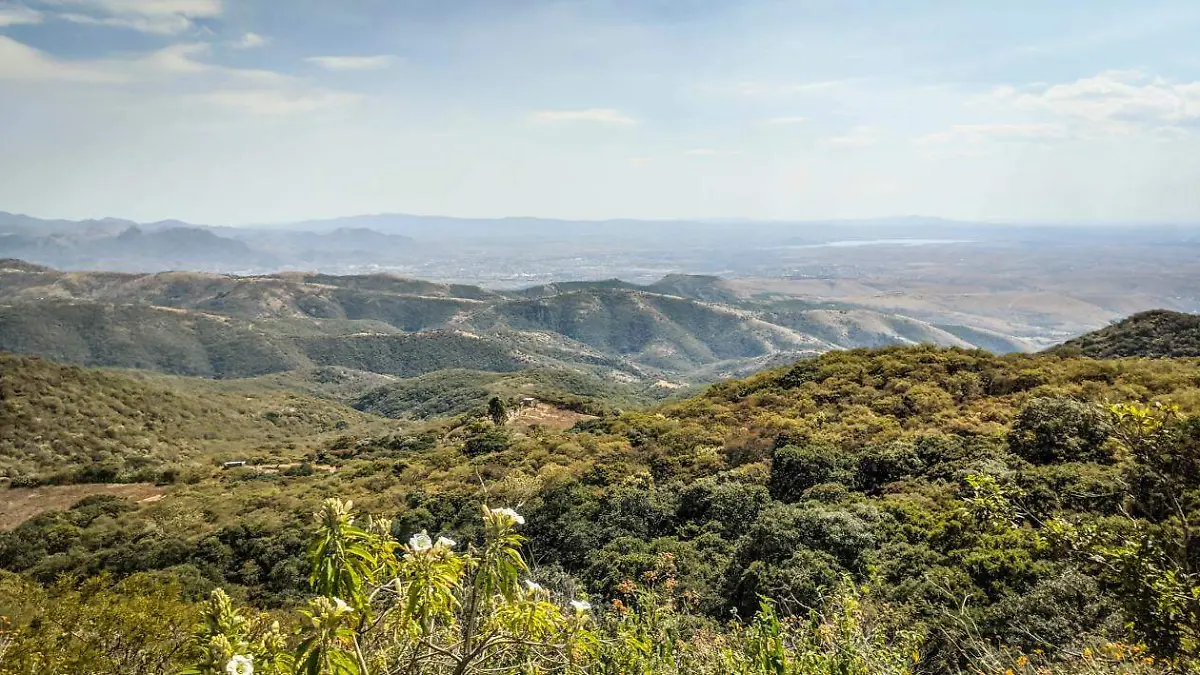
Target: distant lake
(852, 243)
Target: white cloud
(19, 61)
(12, 15)
(161, 17)
(597, 115)
(159, 25)
(177, 60)
(258, 92)
(184, 60)
(781, 121)
(859, 137)
(274, 102)
(353, 62)
(702, 152)
(1112, 101)
(195, 8)
(251, 41)
(981, 133)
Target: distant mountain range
(401, 241)
(680, 329)
(114, 244)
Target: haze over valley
(1033, 285)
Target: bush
(24, 481)
(444, 608)
(486, 442)
(880, 465)
(1052, 430)
(796, 469)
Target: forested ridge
(683, 329)
(898, 510)
(1158, 333)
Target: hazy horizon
(732, 221)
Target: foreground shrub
(433, 606)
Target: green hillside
(329, 382)
(1154, 334)
(405, 303)
(393, 285)
(144, 336)
(698, 287)
(657, 331)
(70, 424)
(993, 506)
(455, 392)
(409, 355)
(551, 290)
(683, 328)
(850, 328)
(212, 345)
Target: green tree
(1151, 560)
(486, 441)
(139, 625)
(1052, 430)
(795, 469)
(497, 411)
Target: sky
(233, 112)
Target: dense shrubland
(435, 606)
(839, 516)
(1158, 333)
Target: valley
(1039, 284)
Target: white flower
(446, 542)
(581, 605)
(420, 542)
(340, 606)
(512, 515)
(533, 586)
(240, 665)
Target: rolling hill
(184, 342)
(454, 392)
(682, 329)
(1155, 334)
(658, 331)
(865, 328)
(71, 424)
